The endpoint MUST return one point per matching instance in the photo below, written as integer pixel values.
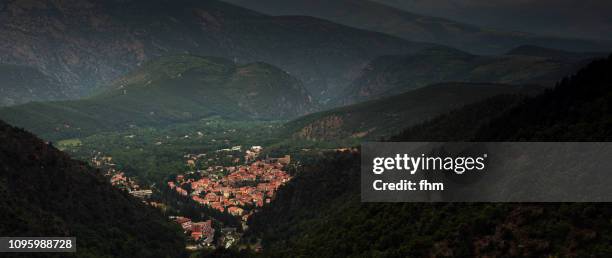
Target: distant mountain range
(170, 90)
(45, 193)
(374, 16)
(575, 110)
(390, 75)
(82, 47)
(87, 44)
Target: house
(196, 235)
(191, 162)
(199, 199)
(211, 197)
(184, 222)
(142, 193)
(236, 211)
(217, 206)
(181, 191)
(285, 160)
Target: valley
(208, 128)
(212, 205)
(221, 176)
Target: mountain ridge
(172, 89)
(86, 44)
(390, 75)
(376, 16)
(386, 116)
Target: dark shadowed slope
(387, 116)
(45, 193)
(170, 90)
(21, 84)
(578, 109)
(319, 212)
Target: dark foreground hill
(45, 193)
(170, 90)
(319, 213)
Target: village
(118, 178)
(242, 189)
(239, 189)
(200, 232)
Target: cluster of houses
(238, 189)
(244, 188)
(251, 154)
(118, 178)
(202, 232)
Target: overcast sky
(568, 18)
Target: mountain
(556, 54)
(170, 90)
(21, 84)
(386, 116)
(576, 110)
(86, 44)
(390, 75)
(370, 15)
(320, 213)
(554, 18)
(45, 193)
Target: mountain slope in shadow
(319, 212)
(45, 193)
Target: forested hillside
(578, 109)
(385, 117)
(46, 193)
(168, 90)
(320, 212)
